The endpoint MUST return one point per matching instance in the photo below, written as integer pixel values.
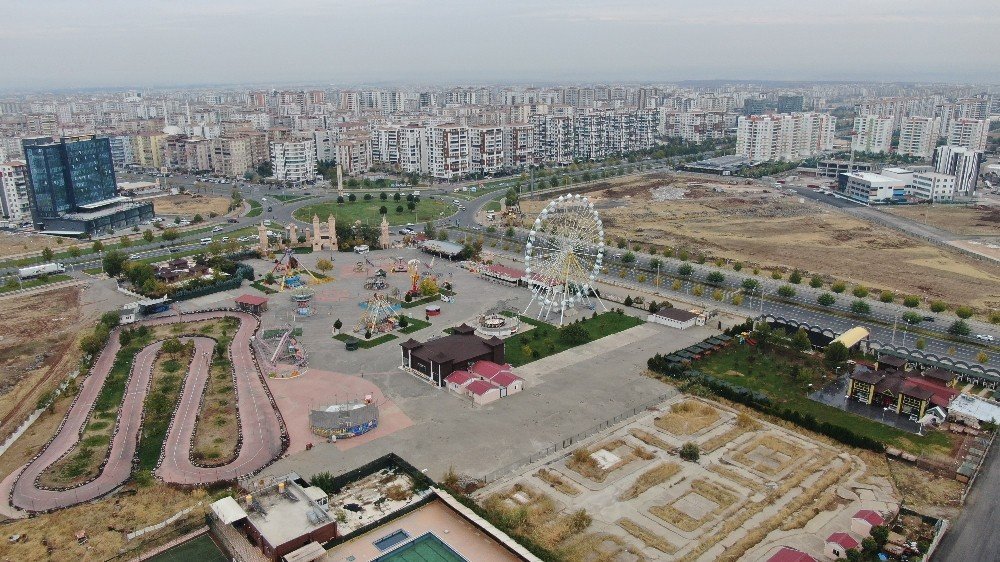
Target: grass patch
(32, 283)
(583, 462)
(652, 477)
(159, 406)
(768, 372)
(216, 432)
(368, 211)
(493, 206)
(774, 454)
(413, 324)
(721, 496)
(652, 440)
(545, 340)
(363, 343)
(556, 480)
(531, 514)
(649, 538)
(734, 476)
(687, 418)
(255, 208)
(418, 302)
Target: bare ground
(38, 350)
(190, 205)
(16, 243)
(764, 229)
(957, 219)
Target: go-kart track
(263, 436)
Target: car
(409, 225)
(984, 337)
(928, 318)
(402, 231)
(267, 223)
(233, 221)
(225, 239)
(134, 256)
(269, 208)
(217, 229)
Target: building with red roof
(839, 543)
(789, 554)
(484, 381)
(502, 274)
(252, 304)
(864, 520)
(483, 392)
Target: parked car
(984, 337)
(217, 229)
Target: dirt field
(190, 205)
(13, 244)
(37, 350)
(762, 228)
(958, 219)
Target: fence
(134, 550)
(570, 441)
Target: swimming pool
(425, 548)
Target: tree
(169, 235)
(869, 546)
(403, 322)
(47, 254)
(98, 246)
(147, 236)
(786, 291)
(655, 263)
(887, 296)
(920, 344)
(74, 252)
(983, 357)
(938, 306)
(352, 197)
(860, 291)
(324, 265)
(690, 452)
(860, 307)
(685, 270)
(800, 340)
(197, 218)
(826, 299)
(911, 301)
(835, 354)
(750, 284)
(428, 286)
(838, 287)
(963, 312)
(795, 278)
(912, 317)
(853, 555)
(816, 282)
(114, 263)
(715, 278)
(959, 328)
(399, 209)
(574, 334)
(628, 300)
(340, 199)
(881, 535)
(383, 210)
(368, 197)
(629, 257)
(411, 206)
(396, 196)
(265, 169)
(737, 266)
(775, 274)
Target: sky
(50, 44)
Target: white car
(217, 229)
(984, 337)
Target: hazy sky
(83, 43)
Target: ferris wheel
(563, 256)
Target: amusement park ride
(291, 272)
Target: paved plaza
(435, 429)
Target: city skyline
(118, 44)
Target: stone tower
(340, 178)
(262, 235)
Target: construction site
(762, 227)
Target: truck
(39, 270)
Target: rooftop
(282, 516)
(676, 314)
(372, 497)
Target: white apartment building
(410, 141)
(121, 150)
(230, 157)
(486, 144)
(385, 146)
(872, 134)
(445, 151)
(918, 136)
(785, 136)
(353, 153)
(959, 162)
(554, 138)
(15, 204)
(294, 161)
(969, 133)
(870, 188)
(692, 126)
(518, 145)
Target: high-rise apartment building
(918, 136)
(969, 133)
(15, 203)
(784, 136)
(790, 104)
(294, 161)
(872, 134)
(73, 189)
(486, 144)
(445, 151)
(962, 163)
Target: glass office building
(73, 189)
